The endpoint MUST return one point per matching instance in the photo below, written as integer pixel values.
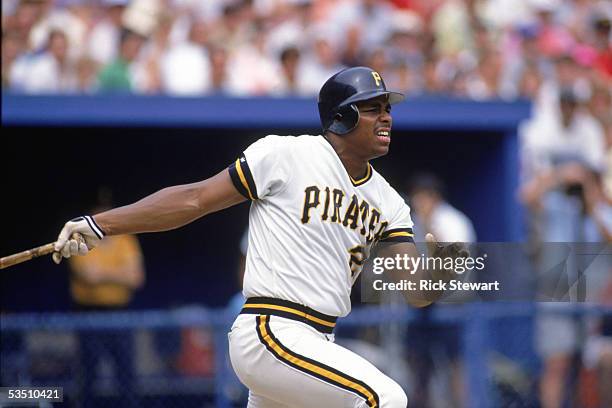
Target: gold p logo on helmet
(377, 78)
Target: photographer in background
(561, 152)
(563, 156)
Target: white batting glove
(68, 244)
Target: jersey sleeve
(400, 222)
(262, 169)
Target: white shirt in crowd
(185, 70)
(547, 143)
(448, 224)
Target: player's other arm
(167, 209)
(417, 297)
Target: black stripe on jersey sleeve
(398, 235)
(237, 182)
(242, 178)
(249, 176)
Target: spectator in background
(522, 52)
(596, 355)
(448, 47)
(352, 50)
(185, 67)
(73, 17)
(559, 152)
(289, 25)
(566, 74)
(51, 71)
(434, 213)
(86, 71)
(598, 194)
(289, 60)
(553, 39)
(104, 281)
(11, 48)
(25, 15)
(218, 69)
(576, 16)
(600, 104)
(451, 24)
(484, 82)
(377, 60)
(367, 21)
(432, 83)
(251, 71)
(319, 64)
(530, 83)
(146, 69)
(571, 138)
(234, 28)
(405, 52)
(436, 343)
(561, 73)
(603, 62)
(598, 350)
(117, 76)
(598, 207)
(103, 40)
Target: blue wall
(57, 151)
(423, 113)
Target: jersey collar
(354, 182)
(364, 179)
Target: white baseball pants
(287, 363)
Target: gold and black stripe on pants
(311, 367)
(290, 310)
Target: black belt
(289, 310)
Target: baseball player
(318, 206)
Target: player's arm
(417, 297)
(171, 207)
(164, 210)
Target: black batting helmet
(339, 94)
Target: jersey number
(357, 258)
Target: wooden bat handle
(32, 253)
(26, 255)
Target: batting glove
(454, 250)
(69, 241)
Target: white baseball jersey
(311, 225)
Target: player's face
(373, 132)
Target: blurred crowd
(478, 49)
(557, 53)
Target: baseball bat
(20, 257)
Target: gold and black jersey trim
(243, 178)
(290, 310)
(398, 235)
(364, 179)
(313, 368)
